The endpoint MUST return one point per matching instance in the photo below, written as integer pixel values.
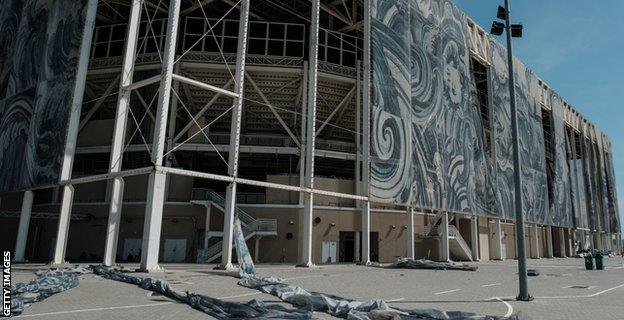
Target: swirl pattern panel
(427, 137)
(37, 83)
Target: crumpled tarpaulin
(374, 309)
(406, 263)
(46, 283)
(217, 308)
(246, 266)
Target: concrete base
(306, 265)
(227, 267)
(158, 269)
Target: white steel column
(72, 134)
(497, 242)
(474, 237)
(358, 130)
(410, 232)
(158, 180)
(207, 226)
(562, 242)
(535, 245)
(257, 249)
(549, 242)
(308, 203)
(304, 116)
(444, 238)
(235, 131)
(119, 134)
(366, 107)
(24, 222)
(63, 227)
(357, 247)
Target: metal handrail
(211, 195)
(453, 232)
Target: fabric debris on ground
(374, 309)
(406, 263)
(45, 284)
(220, 309)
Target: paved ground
(564, 290)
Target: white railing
(455, 234)
(250, 225)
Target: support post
(119, 134)
(549, 242)
(24, 222)
(358, 250)
(410, 232)
(562, 242)
(257, 250)
(72, 134)
(235, 132)
(474, 237)
(444, 238)
(366, 230)
(158, 180)
(207, 226)
(308, 203)
(497, 242)
(535, 245)
(302, 148)
(366, 107)
(63, 226)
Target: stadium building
(335, 130)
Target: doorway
(347, 246)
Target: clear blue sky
(577, 47)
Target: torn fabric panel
(46, 283)
(217, 308)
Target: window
(480, 73)
(549, 152)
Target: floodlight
(516, 30)
(497, 28)
(502, 13)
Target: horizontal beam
(143, 83)
(205, 86)
(107, 176)
(211, 176)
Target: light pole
(515, 30)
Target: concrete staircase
(250, 225)
(459, 249)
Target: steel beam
(306, 243)
(444, 238)
(235, 132)
(119, 133)
(157, 180)
(206, 86)
(304, 113)
(474, 237)
(497, 241)
(366, 108)
(72, 132)
(24, 221)
(535, 244)
(410, 232)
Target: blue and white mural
(428, 142)
(426, 123)
(40, 51)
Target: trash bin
(589, 261)
(599, 261)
